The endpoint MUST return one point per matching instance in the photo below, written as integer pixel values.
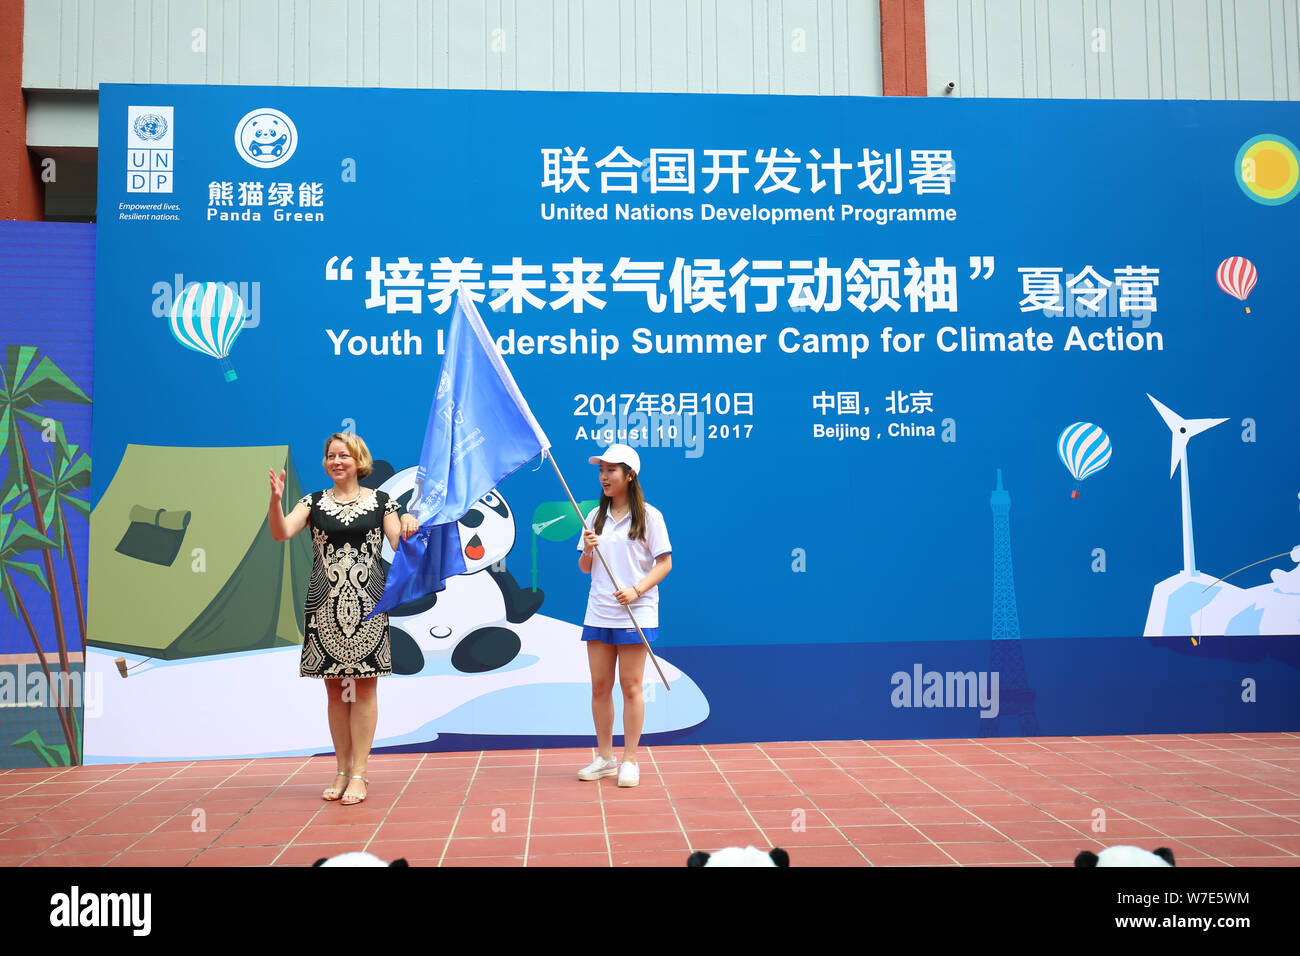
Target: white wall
(1125, 49)
(667, 46)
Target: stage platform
(1215, 800)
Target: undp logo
(149, 154)
(266, 138)
(150, 127)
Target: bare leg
(601, 658)
(631, 670)
(362, 718)
(340, 734)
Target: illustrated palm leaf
(54, 755)
(69, 473)
(26, 379)
(16, 538)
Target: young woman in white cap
(633, 540)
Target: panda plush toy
(357, 859)
(1126, 856)
(735, 856)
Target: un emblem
(150, 127)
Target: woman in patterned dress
(348, 526)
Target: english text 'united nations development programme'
(775, 215)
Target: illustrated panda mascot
(470, 620)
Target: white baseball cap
(619, 455)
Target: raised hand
(277, 485)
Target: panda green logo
(266, 138)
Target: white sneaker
(629, 775)
(598, 768)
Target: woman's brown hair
(635, 504)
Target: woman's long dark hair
(635, 503)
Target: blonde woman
(348, 526)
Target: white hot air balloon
(207, 317)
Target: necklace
(339, 501)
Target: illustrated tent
(182, 562)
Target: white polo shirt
(629, 561)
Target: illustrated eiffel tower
(1016, 717)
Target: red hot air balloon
(1236, 276)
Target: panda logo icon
(267, 142)
(266, 138)
(469, 621)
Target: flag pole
(627, 607)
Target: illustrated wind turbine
(1183, 429)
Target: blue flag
(421, 565)
(480, 431)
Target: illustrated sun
(1268, 169)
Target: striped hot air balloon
(1236, 276)
(207, 317)
(1084, 449)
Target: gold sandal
(334, 793)
(355, 799)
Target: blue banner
(894, 367)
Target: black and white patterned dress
(347, 581)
